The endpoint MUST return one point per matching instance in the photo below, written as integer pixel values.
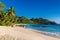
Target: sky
(47, 9)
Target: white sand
(19, 33)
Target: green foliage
(2, 6)
(42, 21)
(2, 23)
(11, 12)
(24, 20)
(8, 18)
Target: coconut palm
(2, 6)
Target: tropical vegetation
(9, 18)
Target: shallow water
(47, 29)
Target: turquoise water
(47, 29)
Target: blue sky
(48, 9)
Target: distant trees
(42, 21)
(25, 20)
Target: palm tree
(2, 6)
(11, 11)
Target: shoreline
(44, 33)
(20, 33)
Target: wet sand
(20, 33)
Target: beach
(20, 33)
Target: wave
(51, 30)
(53, 34)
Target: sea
(48, 29)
